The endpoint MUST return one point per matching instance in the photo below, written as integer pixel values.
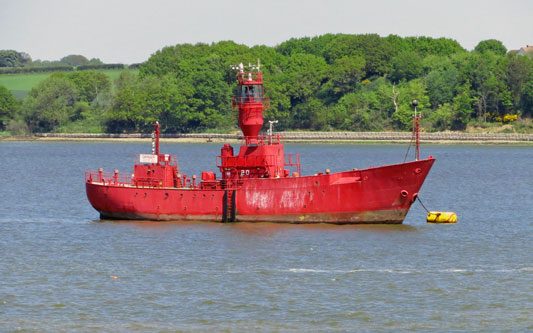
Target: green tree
(95, 61)
(527, 98)
(125, 78)
(483, 72)
(129, 111)
(399, 44)
(368, 108)
(74, 60)
(50, 104)
(409, 91)
(311, 114)
(491, 45)
(441, 86)
(359, 110)
(303, 76)
(12, 58)
(438, 63)
(89, 84)
(344, 75)
(315, 45)
(442, 117)
(280, 101)
(453, 115)
(430, 46)
(8, 106)
(406, 66)
(519, 70)
(180, 59)
(462, 106)
(376, 51)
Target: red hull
(376, 195)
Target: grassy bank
(21, 84)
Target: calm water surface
(57, 259)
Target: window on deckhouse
(251, 93)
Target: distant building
(528, 50)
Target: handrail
(126, 179)
(231, 184)
(293, 160)
(246, 161)
(246, 77)
(263, 139)
(123, 179)
(119, 178)
(250, 99)
(109, 177)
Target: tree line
(14, 62)
(12, 58)
(329, 82)
(42, 69)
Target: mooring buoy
(441, 217)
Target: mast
(416, 129)
(155, 139)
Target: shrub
(105, 66)
(18, 128)
(21, 70)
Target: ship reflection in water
(263, 228)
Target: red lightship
(256, 184)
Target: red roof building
(528, 50)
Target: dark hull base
(371, 217)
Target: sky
(130, 31)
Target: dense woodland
(330, 82)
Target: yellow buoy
(442, 217)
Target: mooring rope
(419, 200)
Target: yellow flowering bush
(509, 118)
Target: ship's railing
(235, 162)
(249, 77)
(147, 181)
(123, 178)
(235, 101)
(108, 177)
(231, 184)
(293, 160)
(126, 179)
(262, 140)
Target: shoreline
(296, 137)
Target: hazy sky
(130, 31)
